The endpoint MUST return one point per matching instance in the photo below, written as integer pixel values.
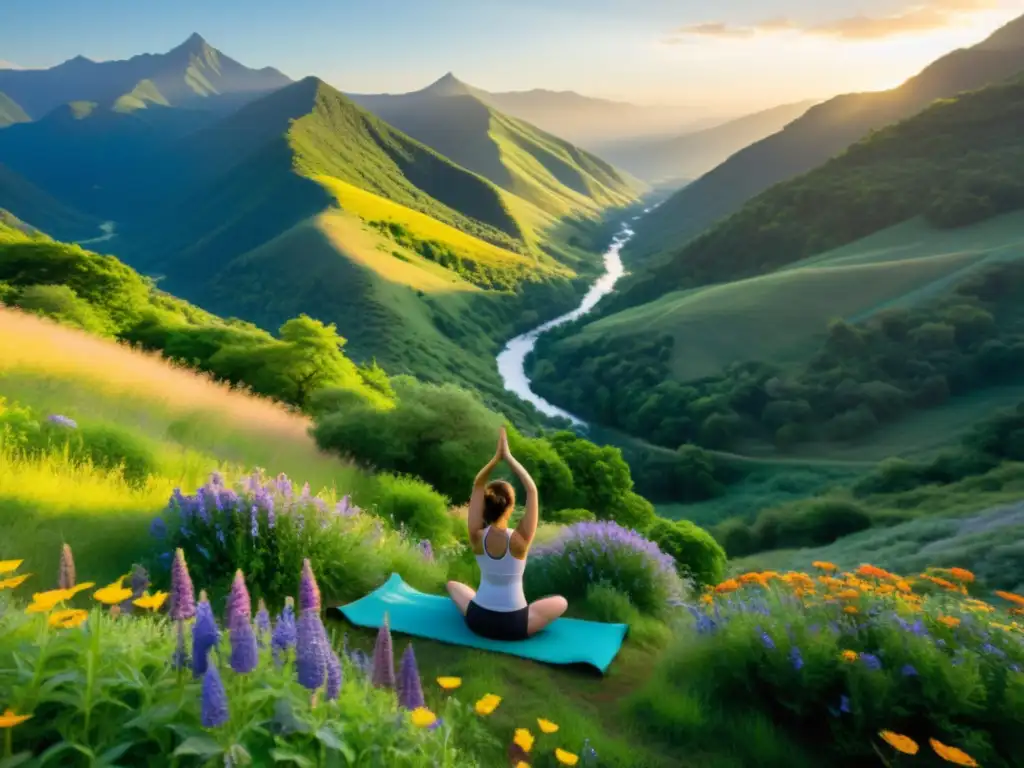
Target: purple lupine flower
(908, 670)
(310, 653)
(306, 494)
(220, 537)
(158, 528)
(254, 522)
(309, 590)
(262, 623)
(333, 677)
(383, 658)
(410, 690)
(179, 659)
(214, 708)
(66, 573)
(284, 636)
(796, 658)
(844, 704)
(239, 602)
(284, 485)
(766, 640)
(244, 654)
(182, 598)
(205, 636)
(62, 421)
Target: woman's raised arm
(475, 519)
(527, 527)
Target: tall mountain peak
(448, 85)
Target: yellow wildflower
(8, 719)
(546, 726)
(68, 619)
(82, 587)
(850, 656)
(449, 683)
(950, 621)
(151, 602)
(523, 739)
(1003, 627)
(522, 764)
(566, 758)
(14, 581)
(952, 754)
(848, 594)
(487, 704)
(10, 566)
(903, 744)
(112, 594)
(707, 599)
(851, 609)
(423, 717)
(46, 601)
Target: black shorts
(498, 625)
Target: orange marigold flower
(876, 573)
(961, 574)
(950, 621)
(729, 585)
(1010, 596)
(904, 586)
(850, 656)
(941, 582)
(900, 743)
(823, 565)
(848, 594)
(851, 609)
(952, 754)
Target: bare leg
(545, 611)
(461, 595)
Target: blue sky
(728, 55)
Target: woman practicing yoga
(498, 610)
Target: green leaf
(13, 760)
(202, 746)
(282, 755)
(239, 755)
(329, 738)
(110, 756)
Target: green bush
(569, 516)
(414, 506)
(736, 537)
(695, 551)
(809, 523)
(110, 446)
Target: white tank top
(501, 579)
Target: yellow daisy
(8, 719)
(151, 602)
(449, 683)
(68, 619)
(112, 594)
(566, 758)
(487, 704)
(524, 739)
(546, 726)
(9, 566)
(423, 717)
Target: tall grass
(62, 370)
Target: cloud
(920, 16)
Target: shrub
(415, 506)
(605, 552)
(736, 537)
(837, 659)
(570, 516)
(695, 551)
(109, 446)
(809, 523)
(266, 529)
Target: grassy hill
(731, 365)
(690, 155)
(10, 112)
(952, 163)
(192, 74)
(823, 132)
(456, 120)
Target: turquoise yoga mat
(565, 641)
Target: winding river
(511, 361)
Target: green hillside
(954, 163)
(10, 112)
(36, 207)
(823, 132)
(888, 346)
(554, 175)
